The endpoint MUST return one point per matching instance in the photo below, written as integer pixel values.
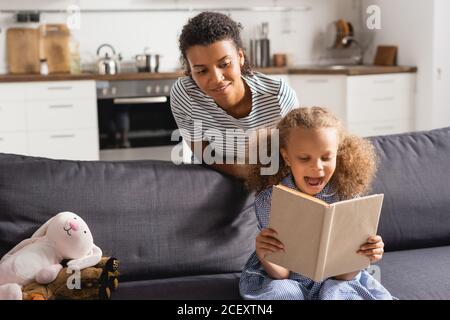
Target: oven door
(135, 122)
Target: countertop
(350, 70)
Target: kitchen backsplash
(297, 33)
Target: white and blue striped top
(200, 118)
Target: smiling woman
(221, 100)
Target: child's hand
(373, 248)
(266, 242)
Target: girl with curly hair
(319, 158)
(220, 94)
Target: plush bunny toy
(65, 236)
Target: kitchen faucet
(351, 40)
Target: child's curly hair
(356, 161)
(207, 28)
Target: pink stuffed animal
(65, 236)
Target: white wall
(441, 70)
(296, 33)
(420, 29)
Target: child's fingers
(269, 236)
(268, 232)
(374, 239)
(268, 248)
(368, 246)
(270, 241)
(371, 252)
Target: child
(317, 157)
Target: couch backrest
(159, 219)
(414, 175)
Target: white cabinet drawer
(321, 90)
(12, 92)
(61, 114)
(74, 145)
(12, 116)
(55, 90)
(380, 128)
(375, 107)
(385, 84)
(13, 142)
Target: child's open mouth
(314, 182)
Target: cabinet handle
(59, 88)
(64, 136)
(317, 80)
(160, 99)
(384, 81)
(60, 106)
(383, 128)
(384, 99)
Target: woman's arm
(235, 170)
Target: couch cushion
(204, 287)
(161, 220)
(414, 175)
(417, 274)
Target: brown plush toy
(97, 282)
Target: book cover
(320, 239)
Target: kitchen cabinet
(367, 104)
(55, 119)
(321, 90)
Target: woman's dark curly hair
(207, 28)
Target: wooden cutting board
(23, 50)
(54, 46)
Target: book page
(299, 223)
(353, 222)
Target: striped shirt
(200, 118)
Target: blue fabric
(255, 283)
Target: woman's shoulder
(184, 85)
(186, 92)
(264, 84)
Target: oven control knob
(149, 89)
(157, 89)
(113, 90)
(166, 89)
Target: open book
(321, 240)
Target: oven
(135, 114)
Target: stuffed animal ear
(42, 229)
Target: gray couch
(184, 232)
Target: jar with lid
(44, 67)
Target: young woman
(221, 99)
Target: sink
(347, 66)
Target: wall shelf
(180, 9)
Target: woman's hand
(373, 248)
(266, 242)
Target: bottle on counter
(44, 67)
(75, 63)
